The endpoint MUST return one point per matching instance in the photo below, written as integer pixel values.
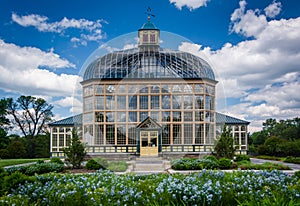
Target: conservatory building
(147, 101)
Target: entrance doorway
(149, 143)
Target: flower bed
(204, 188)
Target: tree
(16, 149)
(4, 122)
(224, 146)
(30, 114)
(76, 152)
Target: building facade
(147, 101)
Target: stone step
(149, 167)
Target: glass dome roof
(147, 64)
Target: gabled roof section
(149, 123)
(222, 118)
(70, 121)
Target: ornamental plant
(224, 146)
(76, 152)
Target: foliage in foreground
(204, 188)
(76, 152)
(210, 162)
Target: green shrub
(211, 157)
(209, 164)
(56, 160)
(194, 164)
(41, 168)
(295, 160)
(4, 154)
(102, 161)
(239, 158)
(12, 181)
(119, 166)
(40, 161)
(93, 165)
(297, 174)
(225, 163)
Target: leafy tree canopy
(29, 114)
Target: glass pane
(122, 89)
(177, 116)
(199, 88)
(110, 134)
(132, 102)
(166, 104)
(121, 134)
(121, 102)
(99, 117)
(132, 116)
(143, 102)
(210, 89)
(110, 117)
(144, 89)
(188, 89)
(166, 116)
(188, 102)
(188, 116)
(88, 104)
(121, 116)
(165, 88)
(99, 89)
(155, 89)
(99, 102)
(133, 89)
(177, 88)
(155, 102)
(177, 134)
(177, 99)
(110, 102)
(188, 134)
(155, 116)
(143, 116)
(199, 102)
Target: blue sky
(253, 46)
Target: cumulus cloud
(273, 9)
(72, 102)
(191, 4)
(21, 71)
(88, 30)
(263, 73)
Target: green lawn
(9, 162)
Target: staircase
(149, 165)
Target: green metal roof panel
(222, 118)
(148, 25)
(70, 121)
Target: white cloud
(191, 4)
(88, 30)
(273, 9)
(21, 72)
(248, 23)
(263, 73)
(72, 102)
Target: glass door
(149, 143)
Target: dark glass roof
(159, 63)
(69, 121)
(220, 118)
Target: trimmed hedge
(41, 168)
(295, 160)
